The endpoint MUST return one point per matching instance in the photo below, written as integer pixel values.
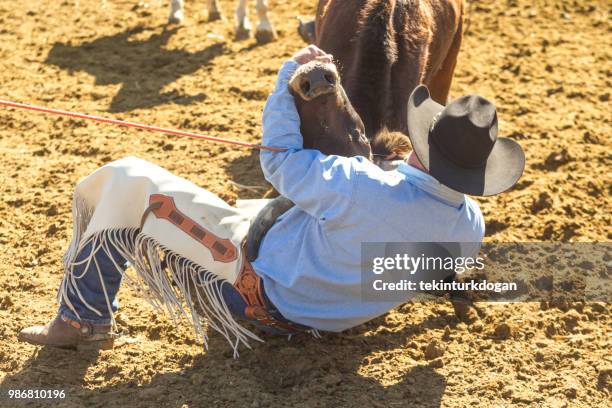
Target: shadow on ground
(142, 67)
(279, 372)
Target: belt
(250, 287)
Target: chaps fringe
(164, 278)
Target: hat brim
(502, 170)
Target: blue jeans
(90, 287)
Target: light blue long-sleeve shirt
(310, 260)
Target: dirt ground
(546, 64)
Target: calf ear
(391, 145)
(306, 30)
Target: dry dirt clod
(332, 379)
(551, 330)
(571, 391)
(436, 363)
(477, 327)
(151, 393)
(52, 230)
(603, 378)
(465, 311)
(52, 210)
(504, 331)
(434, 350)
(447, 334)
(543, 202)
(557, 159)
(571, 319)
(5, 302)
(197, 378)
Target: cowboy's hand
(311, 53)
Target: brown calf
(385, 48)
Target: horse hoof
(176, 18)
(214, 16)
(265, 36)
(243, 33)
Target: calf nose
(319, 80)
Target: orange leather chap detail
(163, 206)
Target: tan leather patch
(163, 207)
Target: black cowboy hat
(458, 144)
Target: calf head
(329, 123)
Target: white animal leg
(214, 13)
(265, 32)
(243, 24)
(177, 16)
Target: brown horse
(384, 49)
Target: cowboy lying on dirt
(183, 242)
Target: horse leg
(440, 84)
(213, 11)
(265, 32)
(177, 16)
(243, 25)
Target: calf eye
(360, 137)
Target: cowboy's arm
(320, 185)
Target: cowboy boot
(71, 334)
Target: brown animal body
(385, 48)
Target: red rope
(137, 125)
